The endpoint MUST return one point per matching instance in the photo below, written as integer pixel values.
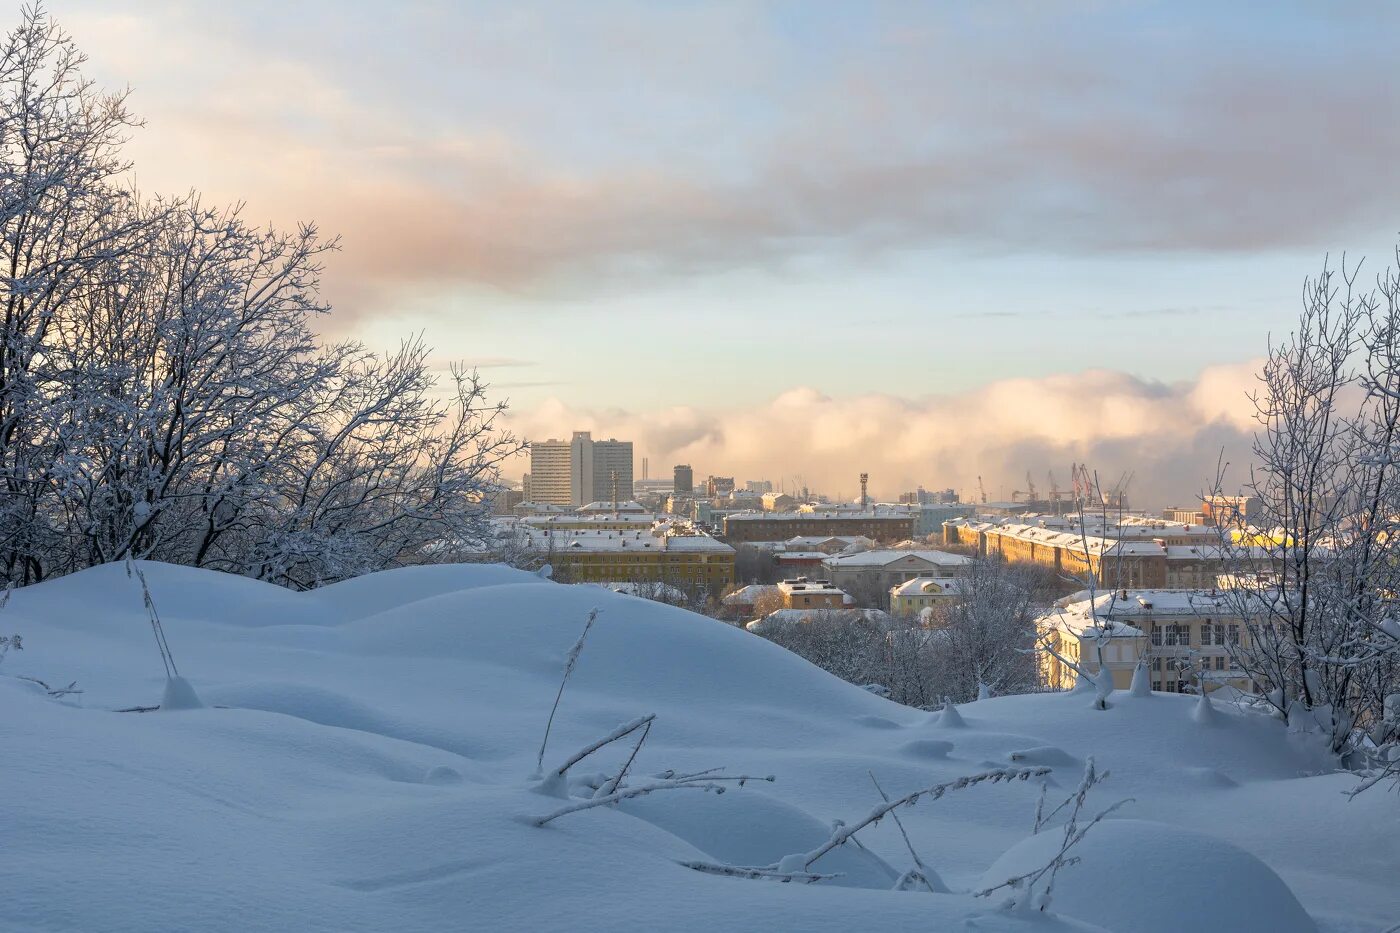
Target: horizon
(971, 241)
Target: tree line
(163, 393)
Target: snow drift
(362, 762)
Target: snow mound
(1043, 755)
(179, 695)
(927, 748)
(1152, 877)
(362, 764)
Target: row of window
(1176, 634)
(1219, 663)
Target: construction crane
(1117, 497)
(1030, 487)
(981, 490)
(1054, 490)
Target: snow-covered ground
(364, 761)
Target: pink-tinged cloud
(1017, 134)
(1170, 435)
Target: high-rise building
(685, 480)
(550, 469)
(759, 486)
(580, 470)
(610, 457)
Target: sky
(800, 240)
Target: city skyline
(991, 237)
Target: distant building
(579, 470)
(929, 518)
(550, 472)
(871, 575)
(922, 496)
(910, 598)
(778, 502)
(642, 555)
(759, 486)
(1134, 552)
(505, 499)
(877, 525)
(684, 482)
(651, 488)
(802, 593)
(719, 486)
(1188, 637)
(1235, 511)
(1173, 513)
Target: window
(1178, 635)
(1157, 636)
(1233, 634)
(1220, 663)
(1157, 685)
(1156, 664)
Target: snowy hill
(365, 756)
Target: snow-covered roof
(927, 586)
(809, 587)
(748, 595)
(826, 514)
(800, 616)
(601, 506)
(885, 556)
(598, 540)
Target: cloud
(1170, 435)
(1074, 132)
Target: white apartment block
(580, 470)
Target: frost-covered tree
(162, 392)
(1316, 569)
(986, 632)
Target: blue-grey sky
(671, 220)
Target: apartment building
(877, 525)
(909, 599)
(1133, 553)
(580, 470)
(802, 593)
(683, 482)
(633, 556)
(871, 575)
(1187, 636)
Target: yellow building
(801, 593)
(604, 556)
(1133, 553)
(909, 599)
(1188, 637)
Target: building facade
(869, 576)
(579, 470)
(683, 483)
(909, 599)
(779, 526)
(1188, 639)
(550, 472)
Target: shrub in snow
(801, 866)
(1158, 878)
(950, 718)
(1204, 711)
(179, 695)
(570, 662)
(1142, 680)
(10, 643)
